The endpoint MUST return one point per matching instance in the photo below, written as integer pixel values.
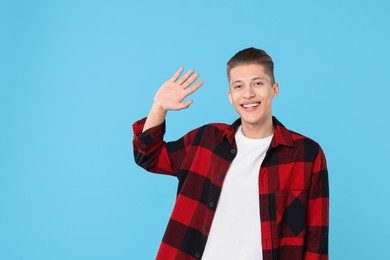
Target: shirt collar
(282, 136)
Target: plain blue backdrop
(75, 75)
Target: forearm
(149, 148)
(155, 117)
(153, 154)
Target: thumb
(187, 104)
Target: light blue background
(76, 74)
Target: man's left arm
(316, 245)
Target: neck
(259, 130)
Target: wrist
(158, 108)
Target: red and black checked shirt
(293, 189)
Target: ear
(230, 97)
(275, 89)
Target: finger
(185, 77)
(193, 88)
(191, 80)
(176, 75)
(183, 105)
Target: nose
(249, 93)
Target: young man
(250, 190)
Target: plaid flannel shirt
(293, 189)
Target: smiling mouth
(250, 105)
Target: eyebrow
(238, 81)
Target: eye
(258, 83)
(237, 86)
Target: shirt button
(205, 229)
(197, 255)
(220, 175)
(211, 204)
(233, 151)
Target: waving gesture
(170, 96)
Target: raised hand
(171, 94)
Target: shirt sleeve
(153, 154)
(316, 246)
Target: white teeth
(250, 105)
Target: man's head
(252, 88)
(252, 56)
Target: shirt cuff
(150, 137)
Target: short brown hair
(252, 56)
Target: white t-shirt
(236, 232)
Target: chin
(251, 121)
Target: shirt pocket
(291, 212)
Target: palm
(171, 94)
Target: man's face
(251, 93)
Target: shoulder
(300, 137)
(289, 137)
(304, 148)
(218, 126)
(212, 128)
(209, 133)
(310, 147)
